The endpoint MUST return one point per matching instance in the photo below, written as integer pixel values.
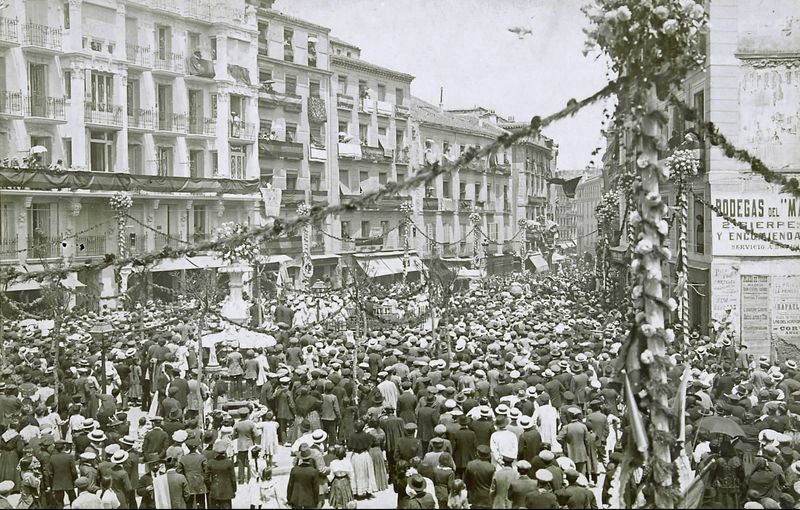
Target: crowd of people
(514, 401)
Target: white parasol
(38, 149)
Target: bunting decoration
(120, 203)
(307, 268)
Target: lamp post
(99, 330)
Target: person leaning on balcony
(236, 122)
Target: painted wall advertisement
(725, 294)
(774, 215)
(785, 307)
(756, 314)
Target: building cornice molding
(769, 60)
(366, 67)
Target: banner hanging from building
(786, 308)
(772, 214)
(272, 201)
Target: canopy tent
(244, 338)
(469, 273)
(539, 263)
(70, 282)
(378, 266)
(186, 263)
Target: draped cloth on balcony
(48, 180)
(240, 74)
(198, 66)
(316, 110)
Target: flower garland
(121, 202)
(245, 250)
(607, 212)
(406, 209)
(653, 44)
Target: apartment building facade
(152, 97)
(749, 89)
(587, 197)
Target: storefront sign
(786, 308)
(756, 314)
(774, 215)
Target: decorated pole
(121, 202)
(307, 267)
(651, 46)
(406, 209)
(682, 165)
(475, 219)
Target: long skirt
(341, 492)
(381, 476)
(363, 474)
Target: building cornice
(445, 127)
(299, 67)
(761, 60)
(366, 67)
(268, 14)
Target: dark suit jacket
(407, 448)
(183, 391)
(178, 489)
(62, 469)
(148, 497)
(406, 407)
(478, 479)
(519, 490)
(156, 441)
(483, 431)
(530, 444)
(427, 419)
(575, 496)
(464, 445)
(221, 479)
(194, 469)
(303, 488)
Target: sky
(465, 47)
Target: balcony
(241, 130)
(318, 244)
(317, 153)
(44, 247)
(164, 240)
(291, 244)
(279, 149)
(384, 108)
(448, 204)
(367, 105)
(344, 102)
(168, 62)
(480, 205)
(290, 198)
(11, 104)
(102, 114)
(32, 179)
(348, 245)
(41, 37)
(374, 154)
(8, 248)
(401, 156)
(289, 101)
(466, 205)
(9, 31)
(139, 118)
(392, 203)
(349, 150)
(171, 122)
(45, 108)
(319, 197)
(90, 246)
(401, 111)
(202, 126)
(263, 47)
(140, 56)
(430, 204)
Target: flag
(637, 426)
(570, 186)
(679, 406)
(693, 496)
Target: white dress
(546, 420)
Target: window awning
(27, 285)
(567, 245)
(385, 266)
(539, 263)
(187, 263)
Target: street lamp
(99, 331)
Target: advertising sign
(786, 308)
(774, 215)
(756, 314)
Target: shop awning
(27, 285)
(566, 245)
(469, 273)
(187, 263)
(273, 259)
(539, 263)
(326, 257)
(385, 266)
(557, 257)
